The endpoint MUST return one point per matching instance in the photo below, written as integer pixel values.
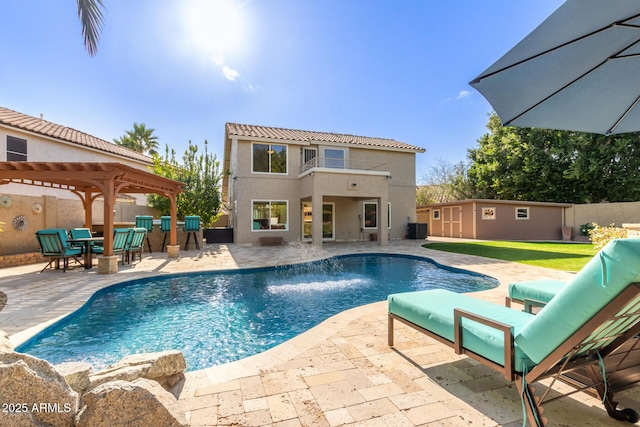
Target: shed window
(522, 213)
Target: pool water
(219, 317)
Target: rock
(165, 367)
(76, 374)
(34, 392)
(5, 343)
(121, 403)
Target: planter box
(218, 235)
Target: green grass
(558, 256)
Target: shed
(495, 219)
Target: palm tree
(140, 139)
(90, 16)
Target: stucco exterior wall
(603, 214)
(348, 189)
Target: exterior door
(328, 221)
(452, 221)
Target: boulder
(76, 374)
(165, 367)
(5, 343)
(130, 404)
(34, 393)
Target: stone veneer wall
(21, 259)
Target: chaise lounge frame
(600, 337)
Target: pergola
(89, 180)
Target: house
(289, 185)
(25, 138)
(33, 139)
(495, 219)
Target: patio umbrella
(578, 70)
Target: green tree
(90, 16)
(443, 182)
(140, 139)
(201, 174)
(556, 166)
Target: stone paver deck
(340, 373)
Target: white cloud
(251, 88)
(464, 94)
(228, 72)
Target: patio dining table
(87, 241)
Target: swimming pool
(219, 317)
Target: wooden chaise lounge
(596, 313)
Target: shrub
(585, 229)
(600, 236)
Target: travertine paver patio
(339, 373)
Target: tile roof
(252, 131)
(40, 126)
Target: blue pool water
(218, 317)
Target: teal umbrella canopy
(578, 70)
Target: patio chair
(120, 237)
(54, 245)
(136, 244)
(192, 226)
(146, 222)
(83, 233)
(165, 227)
(582, 326)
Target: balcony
(327, 164)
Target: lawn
(558, 256)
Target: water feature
(219, 317)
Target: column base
(108, 264)
(173, 251)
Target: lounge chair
(54, 245)
(597, 312)
(536, 293)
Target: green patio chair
(191, 227)
(581, 328)
(120, 237)
(146, 222)
(54, 245)
(165, 227)
(536, 293)
(136, 244)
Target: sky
(379, 68)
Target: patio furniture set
(583, 333)
(58, 244)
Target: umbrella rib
(612, 57)
(626, 113)
(615, 24)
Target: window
(522, 213)
(269, 158)
(16, 149)
(334, 158)
(270, 215)
(370, 215)
(309, 158)
(389, 215)
(489, 213)
(436, 214)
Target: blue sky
(391, 69)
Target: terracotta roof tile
(253, 131)
(43, 127)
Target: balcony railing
(331, 163)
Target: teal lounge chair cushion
(538, 290)
(606, 275)
(433, 310)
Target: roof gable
(43, 127)
(253, 131)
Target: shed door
(452, 221)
